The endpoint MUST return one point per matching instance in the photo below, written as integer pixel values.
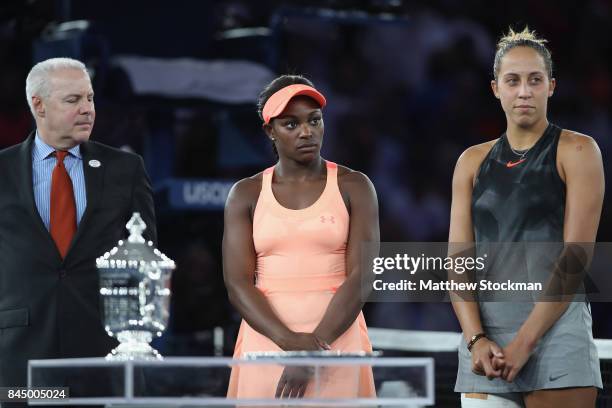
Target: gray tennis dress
(525, 202)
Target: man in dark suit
(64, 201)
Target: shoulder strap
(332, 173)
(266, 182)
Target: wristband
(474, 339)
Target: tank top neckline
(545, 135)
(330, 181)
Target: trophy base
(134, 345)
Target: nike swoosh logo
(556, 377)
(512, 164)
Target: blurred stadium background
(408, 90)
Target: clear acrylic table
(203, 381)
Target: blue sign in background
(197, 194)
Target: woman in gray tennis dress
(536, 183)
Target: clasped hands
(294, 379)
(492, 361)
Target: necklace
(520, 153)
(521, 156)
(523, 153)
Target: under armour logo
(331, 219)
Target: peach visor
(275, 105)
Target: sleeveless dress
(526, 203)
(300, 265)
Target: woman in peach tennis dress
(291, 251)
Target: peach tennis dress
(300, 265)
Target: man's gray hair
(37, 82)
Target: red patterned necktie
(63, 208)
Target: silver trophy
(135, 290)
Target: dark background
(407, 87)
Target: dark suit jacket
(49, 307)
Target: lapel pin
(94, 163)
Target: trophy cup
(135, 290)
